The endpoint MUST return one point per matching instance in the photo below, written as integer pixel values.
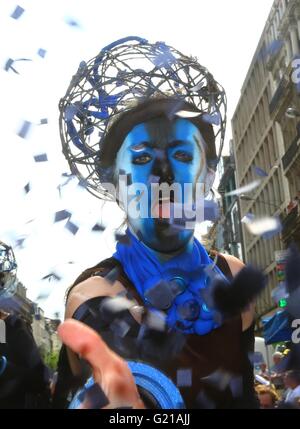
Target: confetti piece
(17, 13)
(184, 378)
(70, 226)
(95, 398)
(51, 276)
(260, 172)
(27, 188)
(155, 320)
(265, 227)
(196, 87)
(113, 275)
(24, 130)
(213, 118)
(41, 158)
(120, 327)
(41, 53)
(72, 22)
(98, 228)
(160, 295)
(117, 304)
(187, 114)
(44, 121)
(231, 298)
(244, 189)
(248, 218)
(8, 66)
(62, 215)
(292, 269)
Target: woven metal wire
(126, 72)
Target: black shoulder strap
(101, 268)
(221, 263)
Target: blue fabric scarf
(173, 286)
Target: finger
(110, 370)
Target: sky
(222, 34)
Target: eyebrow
(141, 146)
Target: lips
(162, 209)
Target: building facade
(230, 220)
(263, 134)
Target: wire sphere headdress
(8, 270)
(7, 258)
(125, 72)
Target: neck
(166, 256)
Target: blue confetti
(72, 22)
(71, 227)
(213, 118)
(42, 53)
(260, 172)
(27, 188)
(8, 65)
(17, 12)
(184, 378)
(44, 121)
(62, 215)
(24, 129)
(41, 158)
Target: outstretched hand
(110, 371)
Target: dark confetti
(113, 275)
(160, 295)
(184, 378)
(44, 121)
(62, 215)
(41, 158)
(27, 188)
(122, 238)
(9, 66)
(230, 298)
(292, 269)
(95, 397)
(98, 227)
(51, 276)
(120, 327)
(70, 226)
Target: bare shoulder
(235, 266)
(234, 263)
(90, 288)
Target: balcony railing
(290, 153)
(277, 95)
(290, 219)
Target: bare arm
(235, 266)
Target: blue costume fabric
(173, 286)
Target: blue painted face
(161, 152)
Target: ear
(209, 181)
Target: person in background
(24, 379)
(263, 371)
(268, 397)
(292, 383)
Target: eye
(182, 156)
(142, 159)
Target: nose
(162, 168)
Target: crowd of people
(277, 388)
